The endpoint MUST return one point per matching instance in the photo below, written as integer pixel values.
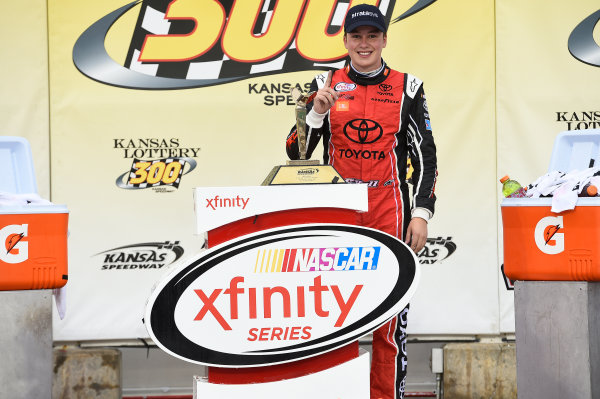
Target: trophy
(302, 100)
(302, 171)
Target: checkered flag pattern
(151, 172)
(214, 64)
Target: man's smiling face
(364, 45)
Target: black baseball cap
(364, 15)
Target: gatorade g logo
(15, 249)
(363, 131)
(549, 237)
(178, 44)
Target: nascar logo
(317, 259)
(342, 86)
(274, 296)
(216, 42)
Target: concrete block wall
(86, 373)
(480, 370)
(471, 371)
(26, 344)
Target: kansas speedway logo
(581, 41)
(436, 250)
(184, 44)
(144, 256)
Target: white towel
(545, 185)
(563, 187)
(60, 298)
(564, 197)
(12, 199)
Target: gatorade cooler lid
(581, 201)
(28, 209)
(16, 164)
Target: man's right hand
(325, 97)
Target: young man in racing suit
(371, 119)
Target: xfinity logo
(292, 299)
(15, 250)
(234, 202)
(581, 41)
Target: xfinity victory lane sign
(281, 295)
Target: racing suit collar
(366, 79)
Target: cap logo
(367, 13)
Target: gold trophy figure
(302, 100)
(302, 171)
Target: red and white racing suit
(368, 135)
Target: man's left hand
(416, 235)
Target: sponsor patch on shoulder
(343, 86)
(427, 124)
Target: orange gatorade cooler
(33, 237)
(542, 245)
(33, 247)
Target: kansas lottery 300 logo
(157, 163)
(155, 173)
(179, 44)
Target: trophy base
(305, 171)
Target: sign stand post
(288, 285)
(343, 372)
